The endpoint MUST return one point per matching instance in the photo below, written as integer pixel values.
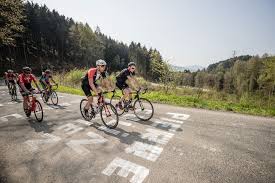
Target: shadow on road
(41, 126)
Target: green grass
(244, 106)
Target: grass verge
(192, 101)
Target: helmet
(27, 70)
(100, 62)
(131, 63)
(48, 71)
(10, 71)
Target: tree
(11, 17)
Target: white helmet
(100, 62)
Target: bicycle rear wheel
(38, 111)
(54, 98)
(109, 115)
(114, 101)
(143, 109)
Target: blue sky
(186, 32)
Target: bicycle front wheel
(14, 93)
(54, 98)
(109, 115)
(44, 97)
(143, 109)
(87, 116)
(38, 111)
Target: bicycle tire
(139, 116)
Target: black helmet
(27, 70)
(131, 63)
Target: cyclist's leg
(87, 91)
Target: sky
(186, 32)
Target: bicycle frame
(31, 100)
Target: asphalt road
(178, 145)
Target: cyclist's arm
(53, 80)
(23, 87)
(36, 84)
(133, 81)
(91, 83)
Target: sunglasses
(102, 65)
(133, 68)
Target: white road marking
(125, 135)
(163, 124)
(179, 116)
(125, 123)
(51, 139)
(1, 105)
(81, 121)
(5, 118)
(129, 116)
(172, 120)
(76, 145)
(145, 151)
(10, 103)
(157, 136)
(75, 102)
(140, 172)
(65, 104)
(70, 128)
(112, 131)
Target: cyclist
(5, 77)
(124, 75)
(25, 85)
(89, 82)
(45, 79)
(10, 78)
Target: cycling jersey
(10, 76)
(46, 78)
(26, 80)
(122, 77)
(92, 73)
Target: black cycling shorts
(12, 81)
(122, 86)
(87, 89)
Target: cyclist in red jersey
(89, 82)
(10, 78)
(5, 77)
(24, 81)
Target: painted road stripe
(51, 139)
(76, 145)
(145, 151)
(112, 131)
(125, 123)
(172, 120)
(157, 136)
(70, 128)
(179, 116)
(127, 167)
(5, 118)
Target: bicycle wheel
(143, 109)
(44, 97)
(109, 115)
(54, 98)
(38, 111)
(14, 93)
(114, 101)
(82, 105)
